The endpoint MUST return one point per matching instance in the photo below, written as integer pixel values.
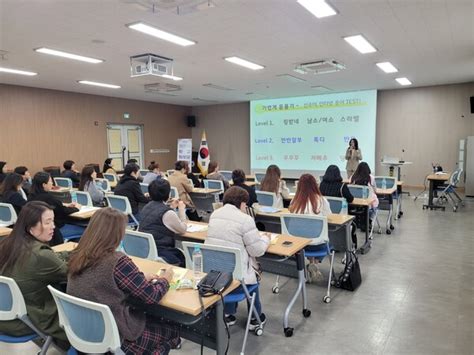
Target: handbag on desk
(350, 279)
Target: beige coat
(353, 158)
(184, 186)
(230, 227)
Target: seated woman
(25, 174)
(71, 172)
(42, 184)
(190, 175)
(162, 221)
(332, 184)
(309, 200)
(3, 170)
(362, 176)
(179, 179)
(99, 273)
(272, 182)
(153, 174)
(87, 184)
(10, 191)
(129, 186)
(26, 257)
(108, 167)
(238, 178)
(230, 226)
(214, 174)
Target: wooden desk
(389, 191)
(202, 190)
(432, 178)
(5, 231)
(86, 214)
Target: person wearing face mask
(353, 157)
(26, 257)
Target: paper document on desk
(192, 228)
(273, 236)
(268, 209)
(88, 208)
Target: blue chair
(259, 177)
(446, 192)
(174, 192)
(315, 228)
(227, 174)
(141, 245)
(103, 184)
(122, 204)
(84, 198)
(63, 182)
(338, 204)
(12, 306)
(359, 191)
(214, 184)
(224, 259)
(169, 172)
(144, 172)
(90, 327)
(386, 201)
(144, 188)
(112, 178)
(265, 198)
(8, 215)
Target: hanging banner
(185, 150)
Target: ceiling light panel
(387, 67)
(155, 32)
(361, 44)
(403, 81)
(318, 8)
(94, 83)
(68, 55)
(172, 77)
(244, 63)
(16, 71)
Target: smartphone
(287, 243)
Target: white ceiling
(430, 41)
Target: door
(125, 142)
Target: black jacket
(129, 187)
(15, 199)
(73, 176)
(333, 189)
(61, 213)
(251, 191)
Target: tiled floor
(417, 297)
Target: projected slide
(309, 133)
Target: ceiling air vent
(319, 67)
(161, 88)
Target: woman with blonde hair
(100, 273)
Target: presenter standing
(353, 157)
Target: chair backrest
(120, 203)
(95, 166)
(390, 181)
(338, 204)
(84, 198)
(227, 174)
(359, 191)
(144, 187)
(140, 244)
(63, 182)
(259, 177)
(455, 177)
(265, 198)
(144, 172)
(103, 184)
(216, 257)
(169, 172)
(12, 303)
(90, 327)
(7, 214)
(191, 181)
(110, 177)
(54, 171)
(214, 184)
(174, 192)
(305, 225)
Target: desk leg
(300, 289)
(221, 336)
(364, 249)
(430, 204)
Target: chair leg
(327, 298)
(252, 305)
(276, 285)
(249, 297)
(47, 343)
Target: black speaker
(191, 121)
(472, 104)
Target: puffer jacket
(230, 227)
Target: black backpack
(350, 278)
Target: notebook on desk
(268, 209)
(192, 228)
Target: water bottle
(344, 206)
(197, 263)
(121, 247)
(384, 184)
(73, 197)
